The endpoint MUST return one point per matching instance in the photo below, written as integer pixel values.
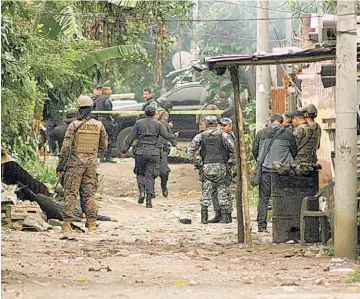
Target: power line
(253, 6)
(109, 15)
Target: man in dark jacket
(97, 92)
(271, 144)
(147, 152)
(58, 134)
(149, 100)
(103, 103)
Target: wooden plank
(278, 100)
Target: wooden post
(242, 196)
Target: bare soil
(150, 254)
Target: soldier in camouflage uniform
(310, 113)
(78, 161)
(226, 127)
(217, 152)
(306, 139)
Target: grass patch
(253, 196)
(355, 277)
(330, 251)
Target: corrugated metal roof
(306, 56)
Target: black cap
(297, 114)
(97, 86)
(167, 105)
(150, 110)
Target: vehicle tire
(120, 141)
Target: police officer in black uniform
(103, 103)
(149, 100)
(97, 92)
(58, 134)
(147, 152)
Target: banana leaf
(125, 3)
(99, 56)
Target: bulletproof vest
(213, 149)
(87, 137)
(308, 145)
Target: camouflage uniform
(214, 174)
(79, 156)
(230, 172)
(318, 134)
(307, 141)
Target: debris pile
(26, 203)
(19, 214)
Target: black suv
(190, 96)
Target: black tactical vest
(213, 149)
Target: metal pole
(345, 229)
(262, 71)
(242, 196)
(292, 99)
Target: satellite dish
(181, 60)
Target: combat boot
(66, 228)
(230, 217)
(217, 217)
(110, 160)
(102, 158)
(148, 201)
(141, 195)
(204, 215)
(225, 217)
(92, 227)
(164, 189)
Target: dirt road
(150, 254)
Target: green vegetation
(52, 51)
(355, 277)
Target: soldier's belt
(189, 112)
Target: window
(188, 96)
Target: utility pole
(289, 30)
(194, 50)
(319, 10)
(345, 229)
(262, 71)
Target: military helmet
(310, 108)
(210, 119)
(85, 101)
(211, 107)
